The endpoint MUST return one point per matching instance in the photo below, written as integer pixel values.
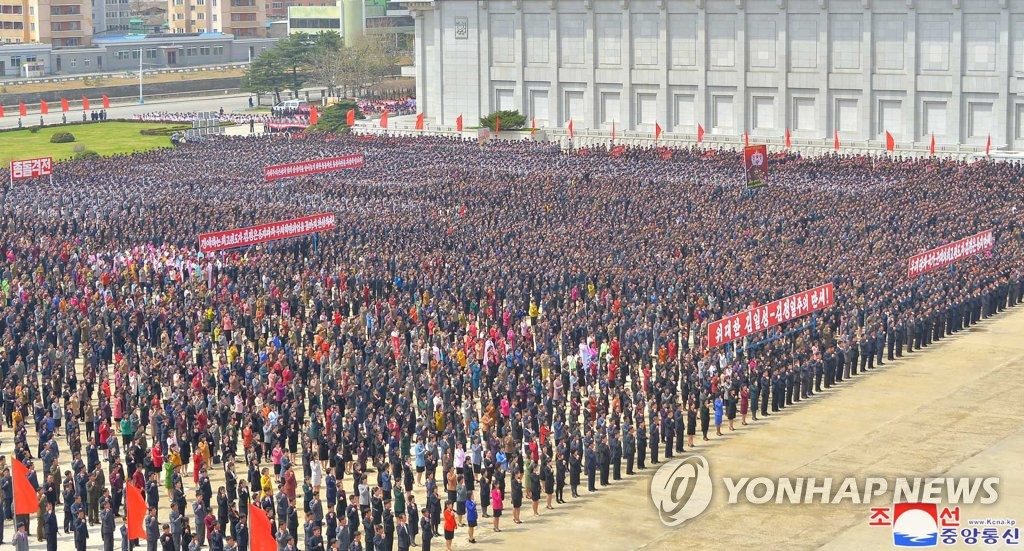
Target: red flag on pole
(788, 142)
(25, 500)
(890, 143)
(64, 105)
(261, 537)
(988, 144)
(350, 117)
(657, 131)
(931, 148)
(314, 116)
(44, 108)
(85, 103)
(700, 133)
(458, 123)
(22, 109)
(533, 125)
(135, 507)
(497, 124)
(613, 131)
(419, 121)
(1, 110)
(835, 141)
(384, 119)
(570, 129)
(106, 102)
(746, 140)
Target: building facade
(819, 68)
(241, 18)
(62, 23)
(121, 53)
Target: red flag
(613, 131)
(788, 142)
(458, 123)
(313, 116)
(85, 103)
(746, 140)
(835, 140)
(1, 110)
(570, 129)
(497, 124)
(533, 126)
(64, 105)
(44, 108)
(931, 148)
(384, 119)
(260, 536)
(22, 109)
(135, 507)
(419, 121)
(617, 151)
(988, 144)
(106, 102)
(25, 500)
(657, 131)
(350, 117)
(890, 143)
(700, 133)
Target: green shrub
(34, 129)
(62, 137)
(86, 154)
(334, 118)
(165, 130)
(510, 120)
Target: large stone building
(915, 68)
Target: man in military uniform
(629, 449)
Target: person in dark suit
(591, 463)
(603, 460)
(574, 473)
(641, 446)
(426, 530)
(654, 442)
(51, 528)
(629, 449)
(81, 531)
(404, 539)
(107, 528)
(615, 445)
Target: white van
(290, 106)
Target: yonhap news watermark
(921, 511)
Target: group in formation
(488, 327)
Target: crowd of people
(221, 115)
(485, 328)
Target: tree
(333, 117)
(266, 73)
(295, 53)
(510, 120)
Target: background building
(952, 68)
(62, 23)
(241, 18)
(314, 19)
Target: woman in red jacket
(449, 525)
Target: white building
(952, 68)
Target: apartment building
(241, 18)
(61, 23)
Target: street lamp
(141, 54)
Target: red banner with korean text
(243, 237)
(769, 315)
(31, 168)
(755, 165)
(313, 167)
(950, 253)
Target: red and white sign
(755, 161)
(31, 168)
(243, 237)
(313, 167)
(769, 315)
(950, 253)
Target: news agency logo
(915, 525)
(681, 489)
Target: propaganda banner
(31, 168)
(769, 315)
(317, 166)
(755, 165)
(949, 253)
(244, 237)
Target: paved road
(230, 102)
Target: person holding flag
(25, 500)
